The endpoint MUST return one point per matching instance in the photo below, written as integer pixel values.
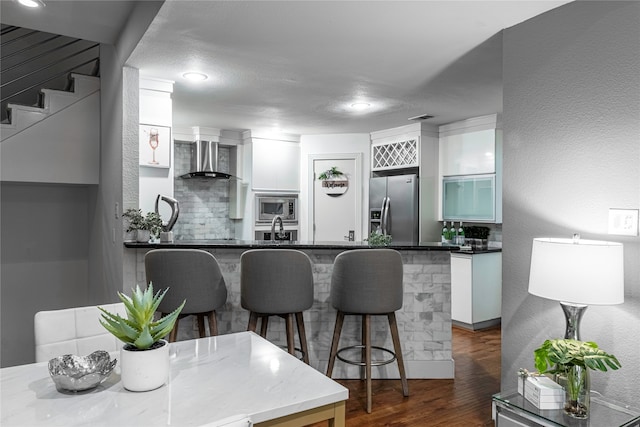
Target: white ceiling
(296, 66)
(95, 20)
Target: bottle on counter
(453, 233)
(445, 233)
(460, 235)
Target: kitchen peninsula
(424, 322)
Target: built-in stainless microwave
(268, 206)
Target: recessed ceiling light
(31, 3)
(195, 77)
(359, 106)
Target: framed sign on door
(155, 146)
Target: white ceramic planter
(144, 370)
(143, 236)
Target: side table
(511, 409)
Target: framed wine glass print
(155, 146)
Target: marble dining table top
(211, 379)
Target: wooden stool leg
(201, 329)
(334, 342)
(393, 325)
(291, 347)
(264, 325)
(367, 344)
(253, 322)
(303, 337)
(213, 323)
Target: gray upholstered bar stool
(277, 282)
(367, 282)
(192, 274)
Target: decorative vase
(143, 236)
(577, 390)
(144, 370)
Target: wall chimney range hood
(204, 161)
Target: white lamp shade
(586, 272)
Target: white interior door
(335, 213)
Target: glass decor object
(572, 359)
(577, 273)
(577, 391)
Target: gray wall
(62, 245)
(45, 238)
(571, 152)
(119, 162)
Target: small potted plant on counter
(144, 358)
(143, 226)
(572, 359)
(378, 239)
(477, 237)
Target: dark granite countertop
(478, 251)
(258, 244)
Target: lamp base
(573, 314)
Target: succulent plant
(139, 328)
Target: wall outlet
(623, 222)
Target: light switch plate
(623, 222)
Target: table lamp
(577, 273)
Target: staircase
(51, 134)
(32, 60)
(51, 102)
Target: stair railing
(41, 60)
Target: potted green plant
(378, 239)
(144, 358)
(144, 226)
(573, 359)
(476, 236)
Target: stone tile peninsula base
(424, 322)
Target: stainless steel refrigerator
(393, 207)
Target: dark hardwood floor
(465, 401)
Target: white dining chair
(74, 331)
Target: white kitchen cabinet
(476, 289)
(275, 166)
(469, 153)
(471, 148)
(469, 198)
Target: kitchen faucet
(276, 218)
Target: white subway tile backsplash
(204, 203)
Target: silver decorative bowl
(75, 373)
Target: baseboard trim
(477, 326)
